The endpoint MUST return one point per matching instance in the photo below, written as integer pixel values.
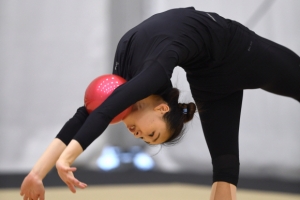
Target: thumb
(72, 169)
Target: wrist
(36, 174)
(69, 155)
(62, 161)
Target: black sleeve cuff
(226, 168)
(71, 127)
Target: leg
(220, 122)
(266, 65)
(285, 76)
(276, 69)
(223, 191)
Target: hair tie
(184, 111)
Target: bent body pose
(221, 58)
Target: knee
(226, 168)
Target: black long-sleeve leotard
(146, 56)
(221, 58)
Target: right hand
(65, 172)
(32, 188)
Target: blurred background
(51, 50)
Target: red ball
(99, 89)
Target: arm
(64, 162)
(55, 149)
(125, 95)
(48, 159)
(32, 186)
(223, 191)
(150, 80)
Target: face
(146, 121)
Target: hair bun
(188, 110)
(179, 114)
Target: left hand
(65, 172)
(32, 187)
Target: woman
(221, 58)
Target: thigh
(280, 68)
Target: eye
(151, 135)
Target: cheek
(130, 119)
(142, 120)
(145, 121)
(134, 118)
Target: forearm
(72, 151)
(49, 158)
(223, 191)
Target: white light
(143, 161)
(109, 159)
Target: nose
(137, 133)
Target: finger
(71, 180)
(69, 169)
(22, 191)
(75, 181)
(35, 197)
(42, 196)
(81, 185)
(26, 196)
(71, 187)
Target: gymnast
(221, 58)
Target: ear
(163, 108)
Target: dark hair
(179, 114)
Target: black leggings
(271, 67)
(264, 65)
(281, 70)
